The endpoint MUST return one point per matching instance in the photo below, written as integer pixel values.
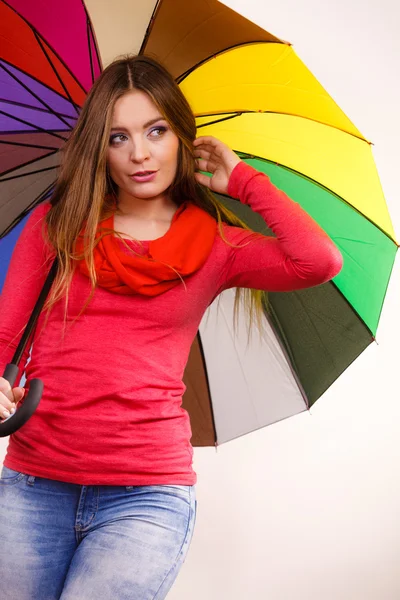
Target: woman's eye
(117, 138)
(158, 131)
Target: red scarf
(185, 247)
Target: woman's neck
(146, 209)
(144, 219)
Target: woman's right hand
(9, 398)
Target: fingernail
(6, 413)
(13, 410)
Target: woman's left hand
(216, 158)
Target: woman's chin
(144, 192)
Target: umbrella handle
(28, 406)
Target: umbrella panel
(262, 78)
(196, 399)
(182, 37)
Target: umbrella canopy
(249, 89)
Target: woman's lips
(144, 177)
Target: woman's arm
(29, 266)
(302, 254)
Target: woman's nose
(139, 150)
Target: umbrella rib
(41, 83)
(273, 162)
(58, 116)
(334, 284)
(282, 339)
(56, 72)
(2, 112)
(218, 120)
(29, 162)
(240, 112)
(41, 110)
(150, 26)
(25, 145)
(93, 37)
(185, 74)
(286, 350)
(37, 35)
(88, 31)
(26, 210)
(30, 172)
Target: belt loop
(31, 480)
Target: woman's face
(142, 154)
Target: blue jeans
(72, 542)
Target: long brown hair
(84, 188)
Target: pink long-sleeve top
(111, 409)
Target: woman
(97, 493)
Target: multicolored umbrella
(249, 89)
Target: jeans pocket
(9, 476)
(184, 492)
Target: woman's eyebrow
(151, 122)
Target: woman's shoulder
(40, 211)
(34, 232)
(37, 216)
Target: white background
(309, 508)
